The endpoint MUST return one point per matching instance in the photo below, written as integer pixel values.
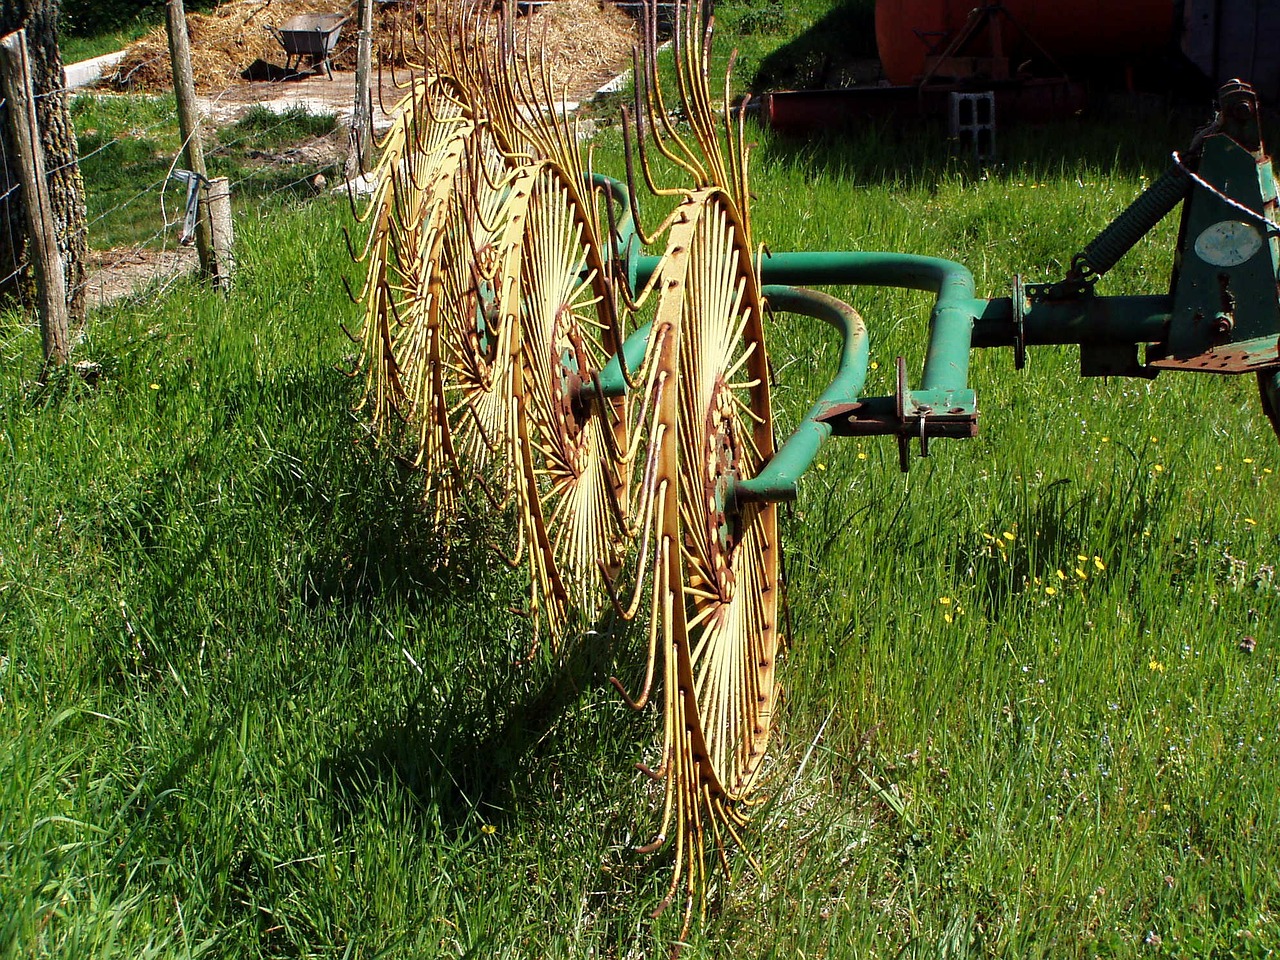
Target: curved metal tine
(744, 182)
(736, 148)
(692, 65)
(661, 571)
(523, 85)
(655, 625)
(611, 262)
(417, 43)
(390, 151)
(645, 511)
(392, 365)
(496, 78)
(700, 72)
(401, 215)
(564, 144)
(346, 286)
(620, 290)
(657, 108)
(646, 239)
(352, 255)
(643, 109)
(492, 226)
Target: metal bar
(1087, 319)
(777, 480)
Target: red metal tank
(907, 31)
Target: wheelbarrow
(312, 35)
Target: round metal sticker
(1228, 243)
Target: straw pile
(223, 44)
(583, 44)
(581, 41)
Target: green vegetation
(245, 712)
(75, 47)
(129, 144)
(798, 45)
(97, 22)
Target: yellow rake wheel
(716, 573)
(477, 372)
(574, 474)
(416, 175)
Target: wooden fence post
(219, 198)
(361, 134)
(49, 272)
(184, 92)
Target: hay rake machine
(613, 406)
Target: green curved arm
(777, 480)
(946, 364)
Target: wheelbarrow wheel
(572, 472)
(716, 585)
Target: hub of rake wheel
(723, 453)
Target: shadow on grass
(481, 734)
(1127, 141)
(823, 55)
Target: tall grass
(245, 712)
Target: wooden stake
(50, 277)
(219, 199)
(361, 135)
(184, 92)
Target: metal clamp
(1019, 323)
(194, 182)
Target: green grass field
(245, 713)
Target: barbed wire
(161, 246)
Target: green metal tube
(645, 269)
(946, 365)
(777, 480)
(1086, 320)
(612, 383)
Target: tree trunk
(57, 136)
